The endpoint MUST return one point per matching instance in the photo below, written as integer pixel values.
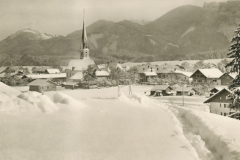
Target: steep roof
(233, 75)
(52, 71)
(102, 73)
(45, 76)
(218, 88)
(77, 76)
(210, 73)
(41, 82)
(80, 64)
(160, 87)
(209, 99)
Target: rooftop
(80, 64)
(40, 82)
(210, 73)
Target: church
(75, 68)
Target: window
(143, 68)
(225, 105)
(220, 105)
(220, 97)
(225, 114)
(221, 113)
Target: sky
(62, 17)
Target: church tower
(84, 53)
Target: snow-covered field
(97, 124)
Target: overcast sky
(65, 16)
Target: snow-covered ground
(97, 124)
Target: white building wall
(218, 108)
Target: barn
(42, 85)
(161, 90)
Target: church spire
(84, 35)
(84, 53)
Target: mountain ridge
(184, 32)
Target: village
(167, 79)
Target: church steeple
(84, 44)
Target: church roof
(77, 76)
(79, 64)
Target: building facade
(219, 102)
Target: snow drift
(8, 90)
(223, 147)
(37, 102)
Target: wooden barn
(187, 91)
(42, 85)
(161, 90)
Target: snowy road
(94, 124)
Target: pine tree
(234, 52)
(234, 65)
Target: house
(187, 91)
(59, 78)
(77, 77)
(52, 71)
(227, 78)
(41, 70)
(161, 90)
(163, 73)
(102, 74)
(42, 85)
(71, 85)
(216, 89)
(206, 76)
(178, 74)
(145, 76)
(219, 102)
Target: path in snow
(209, 142)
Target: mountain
(186, 32)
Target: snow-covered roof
(77, 76)
(188, 74)
(160, 87)
(233, 75)
(80, 64)
(210, 73)
(219, 88)
(102, 73)
(45, 76)
(150, 73)
(52, 71)
(209, 99)
(41, 82)
(185, 89)
(71, 83)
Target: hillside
(187, 32)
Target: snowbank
(135, 98)
(13, 104)
(9, 90)
(224, 147)
(68, 101)
(39, 101)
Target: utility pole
(183, 93)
